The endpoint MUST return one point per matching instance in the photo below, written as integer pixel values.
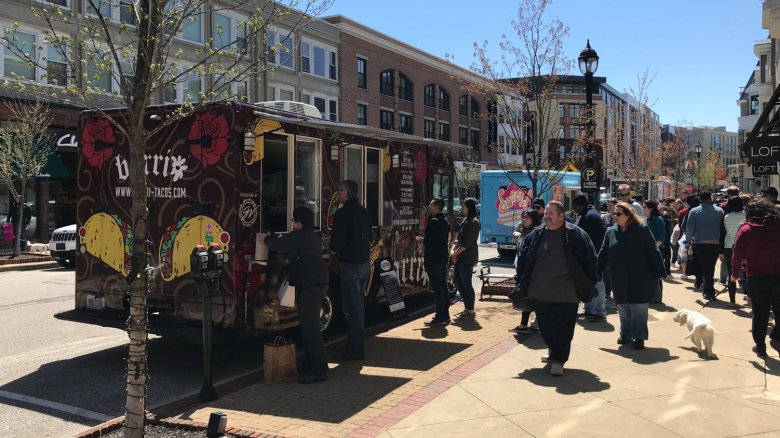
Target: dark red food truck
(227, 172)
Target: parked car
(62, 246)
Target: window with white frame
(328, 105)
(63, 3)
(191, 28)
(21, 46)
(231, 88)
(186, 88)
(228, 31)
(99, 76)
(318, 59)
(56, 65)
(280, 48)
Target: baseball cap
(538, 201)
(771, 191)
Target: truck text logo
(167, 165)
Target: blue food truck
(506, 194)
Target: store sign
(764, 169)
(68, 141)
(763, 149)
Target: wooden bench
(495, 284)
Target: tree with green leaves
(135, 53)
(24, 150)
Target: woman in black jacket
(630, 260)
(307, 268)
(529, 220)
(464, 254)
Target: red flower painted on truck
(208, 137)
(97, 141)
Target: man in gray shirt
(558, 261)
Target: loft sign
(764, 149)
(764, 169)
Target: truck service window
(308, 167)
(274, 208)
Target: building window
(362, 114)
(429, 93)
(405, 124)
(561, 132)
(318, 59)
(561, 110)
(386, 120)
(308, 171)
(56, 65)
(305, 57)
(444, 131)
(576, 130)
(333, 113)
(463, 105)
(405, 88)
(502, 144)
(463, 135)
(386, 83)
(361, 71)
(286, 94)
(475, 138)
(474, 108)
(22, 45)
(753, 105)
(229, 32)
(429, 129)
(574, 111)
(186, 89)
(763, 68)
(444, 100)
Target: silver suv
(62, 246)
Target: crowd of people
(619, 258)
(615, 259)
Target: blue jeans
(437, 276)
(354, 279)
(597, 306)
(462, 280)
(633, 321)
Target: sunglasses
(617, 213)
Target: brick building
(389, 84)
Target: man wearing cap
(590, 222)
(770, 194)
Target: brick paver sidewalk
(475, 379)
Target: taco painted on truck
(225, 173)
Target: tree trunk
(22, 201)
(137, 323)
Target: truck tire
(506, 253)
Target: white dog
(39, 248)
(701, 330)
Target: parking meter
(206, 266)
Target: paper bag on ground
(279, 361)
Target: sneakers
(684, 277)
(622, 341)
(520, 329)
(596, 318)
(436, 322)
(466, 314)
(638, 344)
(556, 369)
(535, 326)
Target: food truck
(507, 194)
(222, 175)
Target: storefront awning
(54, 168)
(762, 145)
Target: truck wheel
(326, 314)
(451, 282)
(506, 253)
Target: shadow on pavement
(648, 356)
(409, 354)
(601, 326)
(574, 381)
(345, 393)
(662, 307)
(467, 325)
(702, 355)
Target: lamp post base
(207, 393)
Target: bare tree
(24, 150)
(129, 54)
(522, 83)
(634, 151)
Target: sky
(699, 51)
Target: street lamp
(589, 63)
(697, 149)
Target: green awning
(54, 168)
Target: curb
(115, 424)
(28, 266)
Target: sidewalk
(477, 379)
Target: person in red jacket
(756, 247)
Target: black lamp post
(589, 63)
(697, 149)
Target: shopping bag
(287, 294)
(280, 363)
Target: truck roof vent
(301, 109)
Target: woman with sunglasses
(530, 219)
(629, 259)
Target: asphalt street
(58, 378)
